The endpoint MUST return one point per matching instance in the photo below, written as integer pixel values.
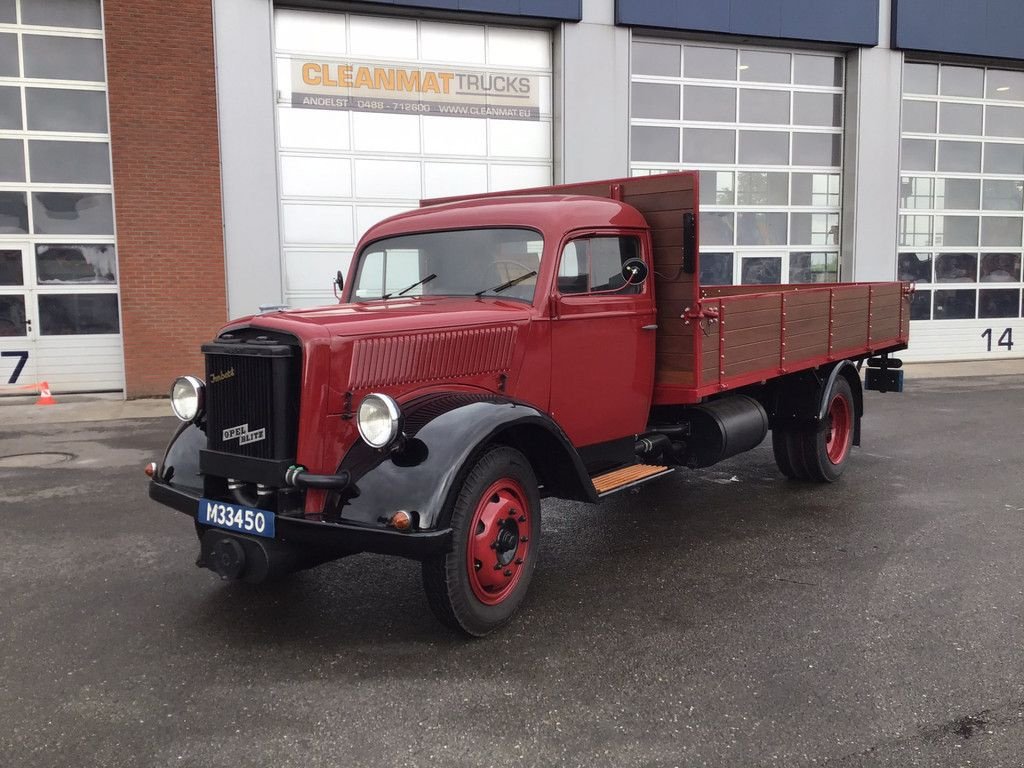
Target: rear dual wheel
(819, 454)
(481, 582)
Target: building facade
(164, 167)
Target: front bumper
(338, 538)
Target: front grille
(252, 395)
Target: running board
(610, 482)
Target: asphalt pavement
(726, 617)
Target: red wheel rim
(499, 541)
(839, 430)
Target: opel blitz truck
(490, 351)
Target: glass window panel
(959, 156)
(818, 189)
(814, 229)
(1004, 121)
(921, 305)
(658, 101)
(716, 269)
(958, 194)
(961, 119)
(707, 145)
(916, 230)
(709, 63)
(1000, 267)
(762, 188)
(12, 160)
(914, 267)
(660, 59)
(917, 155)
(83, 14)
(817, 149)
(956, 230)
(12, 316)
(716, 228)
(919, 116)
(63, 58)
(999, 302)
(764, 67)
(818, 109)
(757, 106)
(956, 268)
(813, 267)
(72, 213)
(921, 78)
(955, 305)
(654, 143)
(1001, 230)
(1005, 85)
(8, 55)
(69, 162)
(962, 81)
(716, 188)
(13, 213)
(58, 109)
(10, 267)
(1003, 195)
(755, 228)
(8, 12)
(809, 69)
(10, 109)
(1004, 158)
(764, 148)
(76, 264)
(917, 192)
(761, 270)
(702, 102)
(78, 313)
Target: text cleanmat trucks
(488, 351)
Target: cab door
(19, 327)
(602, 337)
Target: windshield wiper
(418, 283)
(509, 284)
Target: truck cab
(486, 352)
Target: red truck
(489, 351)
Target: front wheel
(495, 521)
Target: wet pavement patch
(31, 460)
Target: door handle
(652, 327)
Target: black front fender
(180, 465)
(444, 433)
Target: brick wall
(163, 130)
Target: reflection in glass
(764, 148)
(1005, 85)
(917, 155)
(956, 268)
(764, 66)
(914, 267)
(77, 313)
(716, 188)
(76, 264)
(917, 192)
(818, 189)
(10, 268)
(716, 228)
(761, 270)
(84, 14)
(1000, 268)
(999, 302)
(814, 229)
(760, 106)
(69, 162)
(10, 109)
(813, 267)
(13, 213)
(660, 59)
(708, 145)
(1003, 195)
(916, 230)
(955, 305)
(71, 213)
(960, 156)
(1001, 231)
(59, 109)
(918, 116)
(809, 69)
(761, 228)
(1004, 158)
(921, 78)
(63, 58)
(762, 188)
(709, 63)
(921, 305)
(657, 101)
(12, 160)
(709, 103)
(12, 316)
(716, 269)
(958, 194)
(653, 143)
(956, 230)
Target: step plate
(623, 478)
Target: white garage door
(376, 113)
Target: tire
(780, 447)
(826, 451)
(478, 586)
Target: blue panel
(565, 10)
(849, 22)
(974, 27)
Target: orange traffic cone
(45, 398)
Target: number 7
(19, 366)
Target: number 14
(1006, 340)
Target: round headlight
(187, 397)
(378, 420)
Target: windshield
(463, 262)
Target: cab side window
(593, 264)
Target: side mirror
(339, 285)
(634, 271)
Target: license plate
(234, 517)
